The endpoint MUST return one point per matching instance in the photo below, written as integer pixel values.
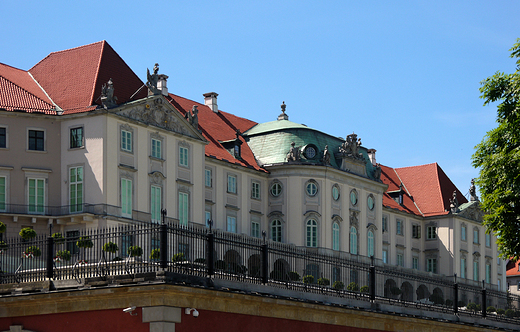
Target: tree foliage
(498, 158)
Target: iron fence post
(265, 263)
(372, 280)
(50, 254)
(163, 246)
(210, 237)
(484, 300)
(455, 296)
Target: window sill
(157, 159)
(36, 151)
(77, 148)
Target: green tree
(498, 158)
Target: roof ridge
(28, 92)
(63, 51)
(92, 100)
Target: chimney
(372, 156)
(210, 100)
(161, 84)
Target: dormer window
(234, 146)
(237, 151)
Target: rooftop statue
(454, 203)
(193, 117)
(351, 146)
(473, 192)
(294, 153)
(326, 155)
(377, 172)
(153, 79)
(107, 95)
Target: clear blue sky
(403, 75)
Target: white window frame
(276, 230)
(476, 269)
(415, 263)
(184, 156)
(463, 232)
(276, 189)
(416, 231)
(82, 140)
(255, 229)
(431, 232)
(488, 240)
(476, 235)
(353, 240)
(399, 224)
(311, 188)
(156, 148)
(232, 184)
(400, 259)
(155, 203)
(255, 189)
(385, 256)
(208, 177)
(38, 207)
(127, 138)
(311, 233)
(488, 273)
(231, 224)
(463, 267)
(126, 197)
(76, 206)
(335, 235)
(431, 265)
(184, 208)
(370, 243)
(207, 216)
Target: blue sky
(403, 75)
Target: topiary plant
(510, 313)
(27, 233)
(32, 251)
(3, 227)
(63, 255)
(364, 289)
(134, 251)
(155, 254)
(85, 242)
(353, 287)
(323, 282)
(472, 306)
(491, 309)
(338, 285)
(110, 247)
(308, 279)
(500, 311)
(58, 238)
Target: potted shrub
(308, 279)
(510, 313)
(155, 254)
(338, 285)
(58, 238)
(396, 291)
(500, 311)
(110, 247)
(179, 257)
(85, 242)
(3, 246)
(365, 289)
(472, 307)
(353, 287)
(134, 251)
(3, 227)
(491, 309)
(32, 251)
(323, 282)
(62, 255)
(294, 276)
(27, 233)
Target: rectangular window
(126, 140)
(2, 193)
(431, 265)
(76, 137)
(76, 189)
(416, 231)
(463, 233)
(431, 232)
(488, 273)
(385, 224)
(255, 190)
(207, 217)
(488, 240)
(463, 268)
(415, 263)
(475, 271)
(208, 178)
(399, 227)
(36, 140)
(183, 156)
(3, 137)
(72, 238)
(475, 236)
(183, 208)
(155, 203)
(231, 224)
(385, 256)
(255, 229)
(36, 197)
(156, 148)
(232, 184)
(126, 198)
(400, 260)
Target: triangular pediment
(157, 111)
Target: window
(353, 197)
(76, 189)
(255, 190)
(463, 268)
(488, 273)
(385, 224)
(431, 265)
(126, 140)
(208, 178)
(415, 263)
(370, 243)
(431, 232)
(76, 137)
(3, 137)
(36, 197)
(370, 202)
(183, 156)
(36, 140)
(399, 227)
(475, 270)
(236, 150)
(127, 241)
(400, 260)
(156, 148)
(276, 189)
(335, 236)
(353, 240)
(255, 229)
(232, 184)
(336, 274)
(312, 233)
(276, 230)
(385, 256)
(335, 192)
(416, 231)
(72, 238)
(231, 224)
(475, 235)
(488, 240)
(184, 205)
(207, 217)
(311, 188)
(155, 203)
(126, 198)
(2, 193)
(463, 232)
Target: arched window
(312, 233)
(335, 236)
(276, 230)
(370, 243)
(353, 240)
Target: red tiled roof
(73, 78)
(512, 268)
(18, 91)
(390, 178)
(219, 127)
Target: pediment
(157, 111)
(471, 211)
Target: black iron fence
(198, 251)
